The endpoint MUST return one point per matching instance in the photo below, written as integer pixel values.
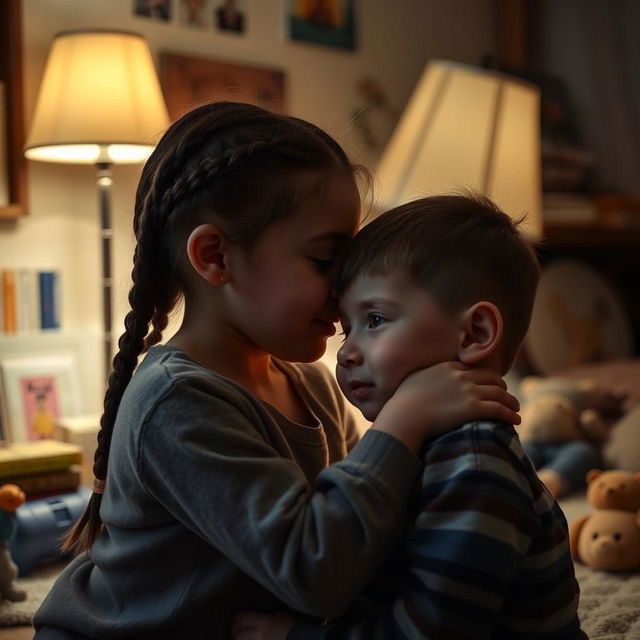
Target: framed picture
(159, 9)
(195, 13)
(36, 391)
(229, 15)
(4, 167)
(190, 82)
(326, 22)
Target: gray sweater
(216, 502)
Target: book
(35, 484)
(25, 458)
(49, 299)
(83, 431)
(28, 300)
(9, 300)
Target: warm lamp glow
(99, 103)
(467, 127)
(100, 100)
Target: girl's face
(280, 295)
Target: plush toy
(11, 497)
(607, 539)
(561, 430)
(614, 489)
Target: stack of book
(41, 468)
(29, 300)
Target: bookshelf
(13, 124)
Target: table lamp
(467, 127)
(99, 103)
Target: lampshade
(467, 127)
(100, 100)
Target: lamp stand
(104, 181)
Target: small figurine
(11, 497)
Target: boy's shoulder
(472, 435)
(479, 447)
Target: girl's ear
(206, 248)
(481, 332)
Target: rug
(609, 602)
(37, 584)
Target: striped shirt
(486, 553)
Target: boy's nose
(348, 355)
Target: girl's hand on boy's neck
(431, 401)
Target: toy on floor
(609, 538)
(11, 497)
(561, 431)
(613, 489)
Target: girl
(219, 481)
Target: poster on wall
(325, 22)
(226, 16)
(159, 9)
(189, 82)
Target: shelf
(595, 236)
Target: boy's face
(392, 328)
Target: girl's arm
(257, 509)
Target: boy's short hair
(462, 248)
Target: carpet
(609, 602)
(37, 584)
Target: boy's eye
(375, 320)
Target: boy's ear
(481, 332)
(206, 249)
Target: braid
(130, 345)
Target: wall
(395, 38)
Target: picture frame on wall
(230, 16)
(35, 392)
(4, 166)
(188, 82)
(330, 23)
(158, 9)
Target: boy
(486, 553)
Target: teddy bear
(561, 431)
(609, 538)
(613, 489)
(11, 497)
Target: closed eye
(322, 264)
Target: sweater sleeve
(256, 507)
(475, 523)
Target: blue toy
(41, 524)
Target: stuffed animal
(614, 489)
(11, 497)
(607, 539)
(561, 431)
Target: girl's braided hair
(235, 161)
